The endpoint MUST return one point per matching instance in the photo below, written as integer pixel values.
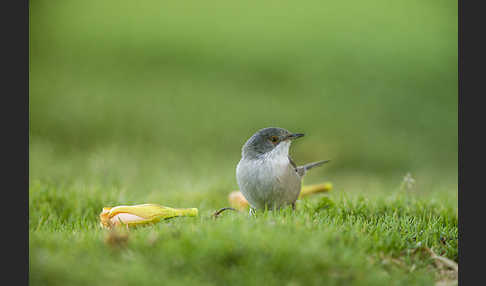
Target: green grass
(151, 102)
(351, 236)
(334, 239)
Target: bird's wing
(292, 163)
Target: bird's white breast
(269, 180)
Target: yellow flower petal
(140, 214)
(314, 189)
(237, 200)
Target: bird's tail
(301, 170)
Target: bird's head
(269, 140)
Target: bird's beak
(293, 136)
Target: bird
(266, 175)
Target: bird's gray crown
(265, 140)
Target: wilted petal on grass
(315, 189)
(141, 214)
(237, 200)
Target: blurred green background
(137, 102)
(155, 98)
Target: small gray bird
(266, 175)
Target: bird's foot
(252, 212)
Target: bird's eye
(274, 139)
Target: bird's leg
(252, 212)
(293, 206)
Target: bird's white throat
(281, 152)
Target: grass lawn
(334, 240)
(360, 233)
(150, 102)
